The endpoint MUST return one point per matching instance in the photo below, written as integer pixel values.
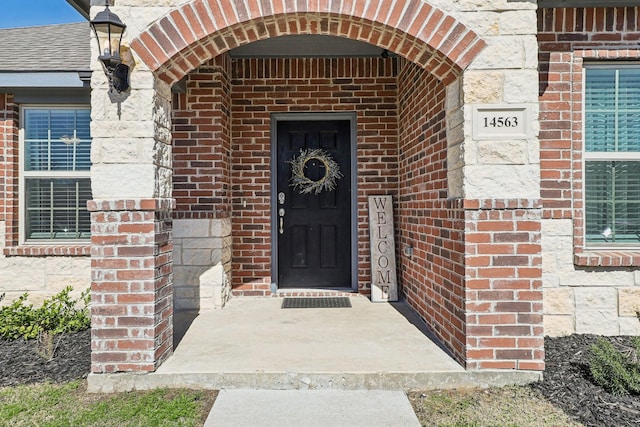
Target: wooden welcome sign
(384, 285)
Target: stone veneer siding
(584, 291)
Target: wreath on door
(305, 185)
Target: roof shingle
(62, 47)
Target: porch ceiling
(306, 46)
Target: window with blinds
(55, 178)
(612, 154)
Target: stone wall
(199, 245)
(585, 291)
(42, 276)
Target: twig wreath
(304, 184)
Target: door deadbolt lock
(281, 198)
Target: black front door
(314, 230)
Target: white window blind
(612, 155)
(55, 174)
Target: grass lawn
(58, 405)
(494, 407)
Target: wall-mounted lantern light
(108, 29)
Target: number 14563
(500, 122)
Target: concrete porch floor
(253, 343)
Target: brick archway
(133, 263)
(203, 29)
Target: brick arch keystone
(199, 30)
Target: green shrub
(59, 314)
(618, 373)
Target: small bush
(618, 373)
(59, 314)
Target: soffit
(82, 6)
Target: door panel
(314, 247)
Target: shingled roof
(62, 47)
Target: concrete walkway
(309, 408)
(254, 344)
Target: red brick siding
(9, 169)
(131, 289)
(433, 278)
(566, 38)
(503, 290)
(202, 143)
(261, 87)
(561, 34)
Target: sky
(26, 13)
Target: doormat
(324, 302)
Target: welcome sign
(384, 284)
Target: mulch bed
(566, 383)
(21, 364)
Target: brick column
(132, 284)
(503, 284)
(131, 225)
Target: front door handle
(281, 215)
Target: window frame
(618, 156)
(24, 175)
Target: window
(612, 155)
(55, 175)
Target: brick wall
(433, 277)
(202, 182)
(563, 34)
(9, 125)
(475, 273)
(201, 143)
(264, 86)
(207, 184)
(578, 298)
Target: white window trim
(23, 175)
(601, 156)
